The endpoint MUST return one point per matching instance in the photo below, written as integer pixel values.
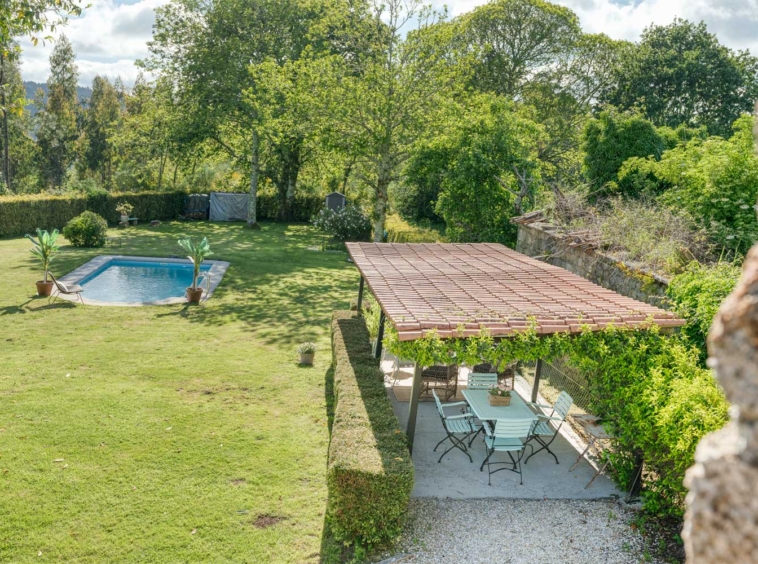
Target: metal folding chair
(544, 431)
(455, 425)
(506, 437)
(478, 381)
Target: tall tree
(378, 102)
(12, 102)
(514, 42)
(102, 118)
(681, 74)
(57, 121)
(206, 48)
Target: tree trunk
(381, 199)
(6, 137)
(292, 173)
(252, 207)
(160, 169)
(176, 168)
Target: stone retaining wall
(542, 240)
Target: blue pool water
(135, 281)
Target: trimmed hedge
(23, 214)
(370, 472)
(306, 207)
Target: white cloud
(107, 39)
(110, 35)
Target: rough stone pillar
(721, 523)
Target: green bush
(657, 400)
(86, 230)
(305, 209)
(696, 294)
(612, 138)
(370, 472)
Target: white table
(517, 409)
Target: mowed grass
(169, 433)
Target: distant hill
(83, 93)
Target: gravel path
(518, 531)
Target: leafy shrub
(716, 181)
(697, 293)
(370, 472)
(86, 230)
(658, 401)
(346, 224)
(611, 139)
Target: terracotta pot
(44, 288)
(306, 358)
(194, 295)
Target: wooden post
(410, 429)
(360, 295)
(379, 336)
(537, 374)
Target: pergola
(448, 287)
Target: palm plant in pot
(196, 254)
(306, 352)
(44, 247)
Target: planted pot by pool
(44, 288)
(196, 254)
(194, 295)
(44, 247)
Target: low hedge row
(370, 472)
(23, 214)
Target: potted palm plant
(124, 209)
(196, 254)
(306, 351)
(44, 247)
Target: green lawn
(169, 433)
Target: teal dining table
(477, 400)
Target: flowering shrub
(347, 224)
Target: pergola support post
(410, 429)
(380, 335)
(360, 295)
(537, 374)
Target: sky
(112, 34)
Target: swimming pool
(120, 280)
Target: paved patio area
(457, 478)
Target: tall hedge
(23, 214)
(370, 472)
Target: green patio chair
(506, 437)
(478, 381)
(455, 425)
(548, 426)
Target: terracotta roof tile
(445, 286)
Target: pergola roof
(421, 287)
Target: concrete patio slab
(457, 478)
